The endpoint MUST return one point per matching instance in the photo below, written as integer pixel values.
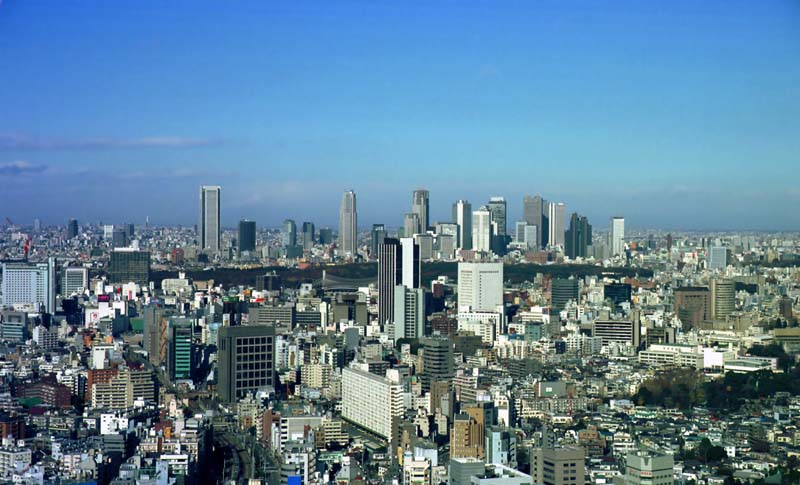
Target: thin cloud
(20, 167)
(14, 141)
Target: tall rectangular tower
(462, 215)
(348, 223)
(209, 228)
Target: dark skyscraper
(130, 265)
(533, 208)
(578, 237)
(378, 235)
(437, 361)
(390, 274)
(289, 233)
(419, 206)
(247, 235)
(308, 235)
(253, 344)
(562, 291)
(497, 206)
(72, 228)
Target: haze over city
(681, 115)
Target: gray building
(348, 225)
(209, 227)
(497, 206)
(247, 236)
(130, 265)
(246, 360)
(419, 206)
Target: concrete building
(462, 216)
(723, 298)
(246, 360)
(617, 236)
(372, 402)
(209, 227)
(647, 468)
(558, 466)
(480, 286)
(30, 285)
(348, 225)
(482, 230)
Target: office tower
(618, 331)
(72, 228)
(501, 446)
(247, 235)
(326, 236)
(119, 237)
(462, 470)
(717, 257)
(445, 247)
(519, 232)
(155, 333)
(348, 224)
(558, 466)
(255, 346)
(425, 243)
(618, 293)
(419, 206)
(398, 264)
(289, 233)
(210, 218)
(482, 230)
(497, 206)
(462, 215)
(180, 355)
(648, 468)
(534, 213)
(372, 402)
(75, 280)
(309, 235)
(578, 237)
(409, 313)
(532, 239)
(410, 224)
(617, 242)
(693, 305)
(480, 286)
(723, 298)
(130, 265)
(562, 291)
(378, 235)
(556, 223)
(437, 361)
(30, 284)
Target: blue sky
(677, 114)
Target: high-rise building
(556, 223)
(390, 274)
(437, 361)
(372, 402)
(411, 262)
(210, 228)
(534, 213)
(72, 228)
(717, 257)
(409, 313)
(480, 286)
(532, 240)
(519, 231)
(378, 235)
(617, 242)
(410, 224)
(462, 215)
(618, 331)
(558, 466)
(648, 468)
(75, 280)
(119, 237)
(180, 354)
(30, 284)
(618, 293)
(348, 225)
(247, 235)
(497, 206)
(326, 235)
(289, 233)
(130, 265)
(482, 229)
(578, 237)
(466, 437)
(246, 360)
(419, 206)
(308, 235)
(562, 291)
(693, 305)
(723, 298)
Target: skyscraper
(462, 215)
(308, 235)
(398, 264)
(72, 228)
(348, 223)
(410, 224)
(31, 284)
(129, 265)
(617, 242)
(419, 206)
(578, 237)
(482, 229)
(562, 291)
(378, 235)
(409, 313)
(557, 221)
(247, 235)
(289, 233)
(723, 298)
(437, 358)
(209, 227)
(480, 286)
(497, 206)
(533, 211)
(717, 257)
(253, 344)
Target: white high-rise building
(410, 263)
(617, 236)
(209, 228)
(482, 230)
(717, 257)
(462, 215)
(557, 219)
(348, 224)
(409, 313)
(480, 286)
(371, 401)
(76, 280)
(30, 284)
(531, 237)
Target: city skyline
(673, 114)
